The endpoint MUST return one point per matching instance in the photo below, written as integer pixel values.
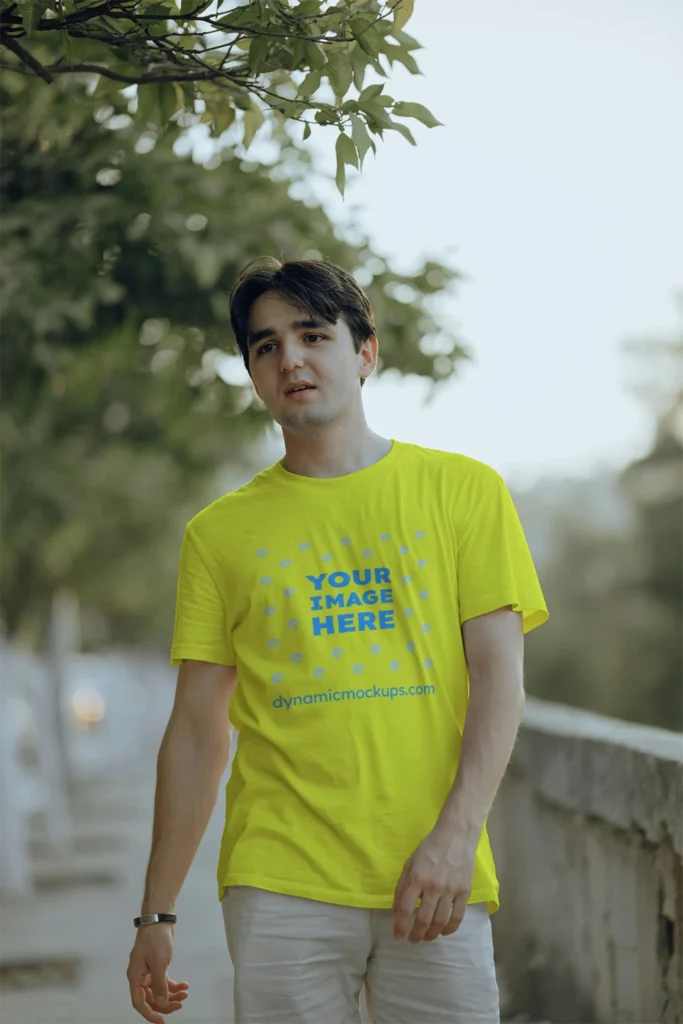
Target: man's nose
(291, 355)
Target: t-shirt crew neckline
(283, 475)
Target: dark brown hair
(319, 287)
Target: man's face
(287, 347)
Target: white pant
(300, 961)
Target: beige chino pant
(301, 961)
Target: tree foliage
(226, 64)
(117, 355)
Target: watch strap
(153, 919)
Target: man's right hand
(152, 992)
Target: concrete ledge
(588, 840)
(628, 775)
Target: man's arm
(494, 649)
(441, 869)
(192, 758)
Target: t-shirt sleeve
(202, 630)
(495, 567)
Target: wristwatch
(153, 918)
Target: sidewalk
(83, 911)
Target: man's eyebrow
(296, 325)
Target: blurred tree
(224, 63)
(654, 485)
(117, 351)
(613, 641)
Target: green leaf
(168, 102)
(339, 73)
(361, 139)
(31, 13)
(359, 63)
(340, 176)
(314, 56)
(223, 117)
(417, 111)
(158, 102)
(253, 119)
(160, 27)
(403, 10)
(307, 130)
(298, 47)
(310, 84)
(346, 150)
(404, 131)
(407, 59)
(346, 154)
(258, 53)
(406, 41)
(370, 93)
(366, 35)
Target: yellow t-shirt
(340, 602)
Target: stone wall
(587, 832)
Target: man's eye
(309, 336)
(260, 351)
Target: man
(371, 598)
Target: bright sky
(555, 185)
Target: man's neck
(331, 457)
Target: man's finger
(139, 1000)
(423, 919)
(173, 1003)
(160, 986)
(442, 915)
(457, 914)
(404, 910)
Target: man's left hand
(440, 872)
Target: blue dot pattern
(337, 652)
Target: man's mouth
(300, 387)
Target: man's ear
(373, 337)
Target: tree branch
(28, 58)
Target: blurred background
(525, 264)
